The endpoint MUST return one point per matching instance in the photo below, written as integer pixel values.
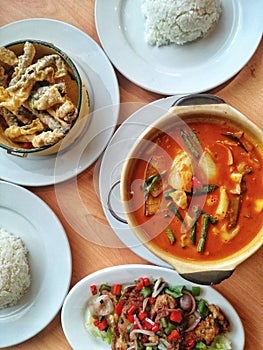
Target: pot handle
(110, 206)
(207, 277)
(197, 99)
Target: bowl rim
(223, 111)
(72, 65)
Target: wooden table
(244, 92)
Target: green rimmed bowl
(76, 91)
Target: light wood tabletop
(244, 92)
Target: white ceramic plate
(74, 310)
(97, 71)
(27, 216)
(194, 67)
(111, 167)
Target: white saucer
(195, 67)
(27, 216)
(93, 63)
(111, 167)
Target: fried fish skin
(7, 56)
(34, 92)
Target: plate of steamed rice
(179, 46)
(32, 286)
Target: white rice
(179, 21)
(15, 277)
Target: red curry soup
(197, 191)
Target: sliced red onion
(144, 303)
(192, 300)
(141, 331)
(157, 284)
(158, 287)
(194, 324)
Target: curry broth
(216, 246)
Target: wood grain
(244, 92)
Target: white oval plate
(27, 216)
(74, 309)
(97, 71)
(179, 69)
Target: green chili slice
(175, 211)
(206, 188)
(196, 291)
(195, 137)
(146, 291)
(149, 183)
(189, 144)
(202, 308)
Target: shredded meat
(121, 339)
(163, 303)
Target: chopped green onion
(130, 327)
(164, 322)
(170, 327)
(170, 235)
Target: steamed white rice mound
(179, 21)
(15, 277)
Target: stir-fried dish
(197, 192)
(152, 315)
(36, 106)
